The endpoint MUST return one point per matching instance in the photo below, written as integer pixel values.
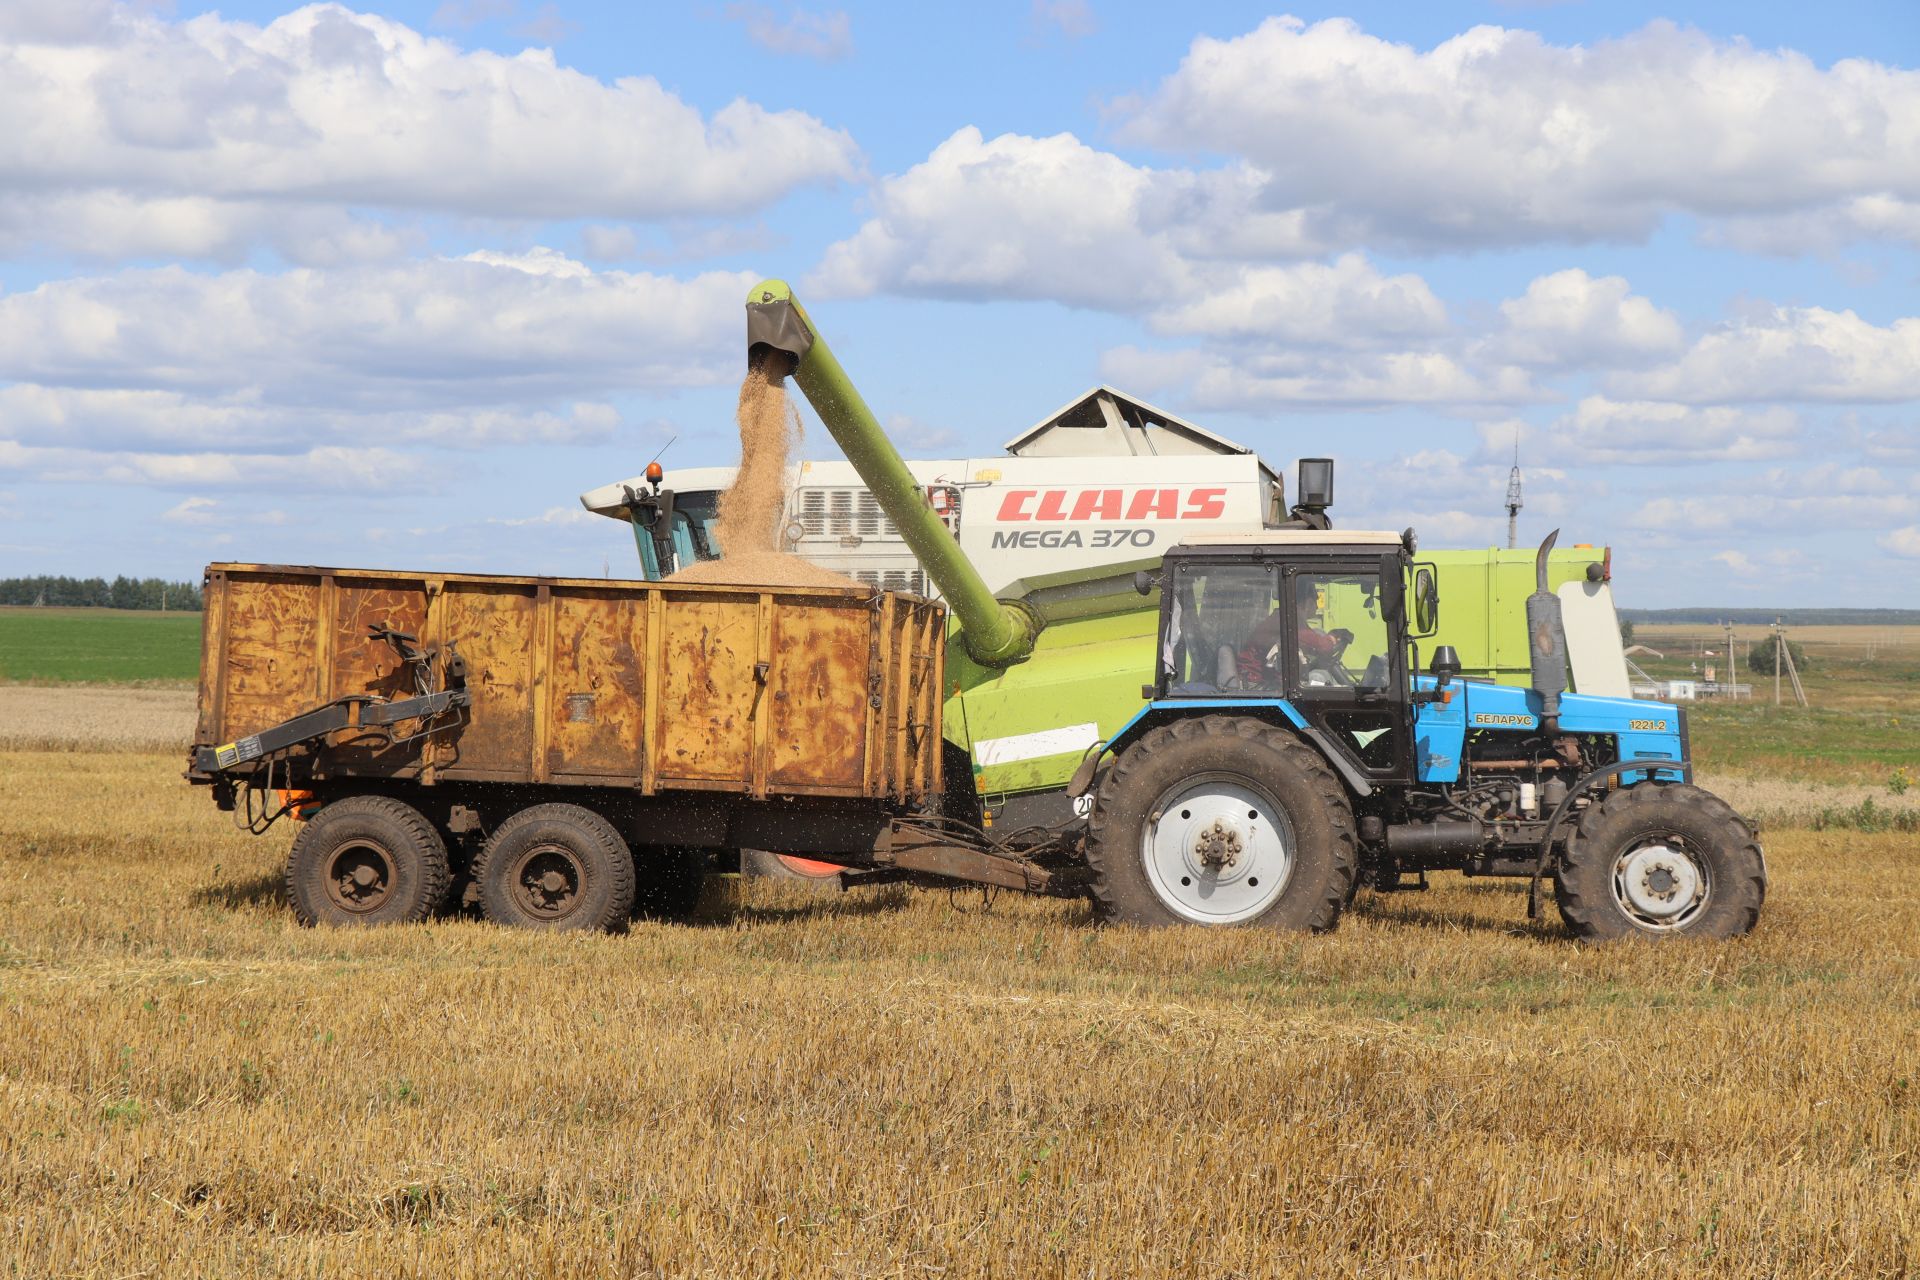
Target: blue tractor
(1292, 748)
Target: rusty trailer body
(688, 717)
(766, 691)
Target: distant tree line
(1789, 617)
(121, 593)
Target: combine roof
(1103, 422)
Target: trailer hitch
(356, 710)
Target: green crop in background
(99, 646)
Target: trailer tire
(367, 860)
(555, 867)
(1658, 861)
(1298, 832)
(669, 882)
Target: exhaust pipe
(1546, 641)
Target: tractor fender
(1277, 710)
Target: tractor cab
(1312, 622)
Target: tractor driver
(1317, 648)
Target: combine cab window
(693, 539)
(1340, 636)
(1222, 618)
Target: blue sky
(391, 284)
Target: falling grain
(748, 527)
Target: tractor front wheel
(1661, 861)
(1221, 820)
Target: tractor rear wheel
(367, 860)
(1221, 820)
(1661, 861)
(555, 867)
(669, 882)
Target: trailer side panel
(752, 691)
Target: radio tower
(1513, 495)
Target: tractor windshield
(1341, 632)
(1242, 628)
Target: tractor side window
(1223, 631)
(1340, 632)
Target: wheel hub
(548, 882)
(1217, 849)
(1660, 884)
(1218, 844)
(359, 877)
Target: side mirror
(1145, 580)
(1316, 484)
(1426, 602)
(1446, 666)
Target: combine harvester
(567, 741)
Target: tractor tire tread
(1107, 898)
(1580, 884)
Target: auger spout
(996, 633)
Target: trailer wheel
(366, 860)
(1661, 861)
(555, 867)
(669, 881)
(1221, 820)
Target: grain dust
(748, 527)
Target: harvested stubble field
(909, 1084)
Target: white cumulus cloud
(1500, 136)
(131, 134)
(1010, 217)
(1599, 430)
(1793, 354)
(1251, 379)
(1570, 318)
(490, 329)
(1343, 303)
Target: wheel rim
(1661, 883)
(546, 882)
(360, 877)
(1218, 849)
